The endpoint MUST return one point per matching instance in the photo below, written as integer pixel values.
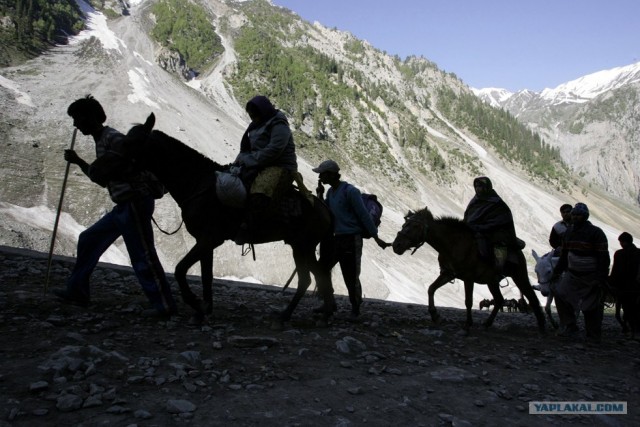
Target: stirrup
(248, 247)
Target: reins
(405, 234)
(166, 232)
(180, 203)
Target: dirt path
(106, 365)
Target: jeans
(132, 221)
(346, 250)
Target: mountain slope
(591, 120)
(405, 139)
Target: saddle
(497, 254)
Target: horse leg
(527, 291)
(498, 299)
(440, 281)
(306, 262)
(547, 309)
(206, 272)
(468, 302)
(304, 280)
(194, 255)
(619, 317)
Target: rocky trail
(62, 365)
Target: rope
(166, 232)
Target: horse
(459, 259)
(511, 304)
(545, 265)
(190, 178)
(485, 303)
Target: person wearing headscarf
(267, 161)
(583, 269)
(491, 219)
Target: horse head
(411, 235)
(137, 139)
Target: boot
(257, 207)
(500, 257)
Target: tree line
(31, 26)
(186, 28)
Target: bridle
(548, 260)
(411, 220)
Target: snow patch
(21, 97)
(140, 85)
(96, 23)
(42, 218)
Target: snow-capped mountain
(593, 120)
(586, 88)
(576, 91)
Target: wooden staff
(55, 225)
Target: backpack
(374, 207)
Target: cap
(327, 166)
(580, 209)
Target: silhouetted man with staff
(133, 191)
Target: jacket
(490, 216)
(271, 144)
(113, 170)
(585, 251)
(624, 271)
(349, 212)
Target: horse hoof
(322, 323)
(196, 320)
(277, 325)
(208, 308)
(435, 318)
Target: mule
(545, 265)
(459, 259)
(190, 179)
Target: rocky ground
(62, 365)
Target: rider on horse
(267, 160)
(490, 218)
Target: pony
(485, 303)
(190, 179)
(545, 265)
(458, 258)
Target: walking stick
(295, 270)
(55, 225)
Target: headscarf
(267, 111)
(484, 181)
